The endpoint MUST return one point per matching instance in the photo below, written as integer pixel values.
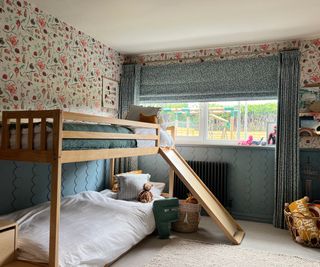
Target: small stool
(165, 212)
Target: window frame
(203, 139)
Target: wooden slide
(204, 196)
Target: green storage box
(165, 212)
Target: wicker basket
(290, 216)
(189, 217)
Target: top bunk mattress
(75, 144)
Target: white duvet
(95, 229)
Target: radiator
(213, 174)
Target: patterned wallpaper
(310, 56)
(251, 176)
(217, 53)
(310, 61)
(46, 63)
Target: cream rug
(188, 253)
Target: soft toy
(191, 199)
(307, 228)
(115, 187)
(272, 138)
(315, 106)
(145, 195)
(247, 142)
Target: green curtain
(128, 94)
(287, 181)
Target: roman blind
(218, 80)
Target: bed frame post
(172, 130)
(55, 190)
(171, 182)
(158, 135)
(111, 173)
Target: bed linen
(75, 144)
(95, 229)
(165, 138)
(82, 144)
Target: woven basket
(290, 216)
(189, 217)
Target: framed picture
(110, 92)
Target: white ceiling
(143, 26)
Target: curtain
(129, 88)
(287, 148)
(207, 81)
(128, 93)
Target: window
(223, 122)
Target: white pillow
(157, 188)
(134, 112)
(164, 120)
(130, 185)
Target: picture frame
(110, 94)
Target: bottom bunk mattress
(94, 230)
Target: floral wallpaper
(310, 61)
(46, 64)
(310, 56)
(217, 53)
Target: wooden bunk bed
(57, 156)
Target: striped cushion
(131, 185)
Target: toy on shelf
(315, 106)
(307, 132)
(261, 142)
(248, 142)
(272, 136)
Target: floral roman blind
(219, 80)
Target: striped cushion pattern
(131, 185)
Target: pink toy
(248, 142)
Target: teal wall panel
(251, 176)
(23, 184)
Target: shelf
(310, 149)
(309, 114)
(312, 85)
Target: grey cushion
(131, 185)
(134, 112)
